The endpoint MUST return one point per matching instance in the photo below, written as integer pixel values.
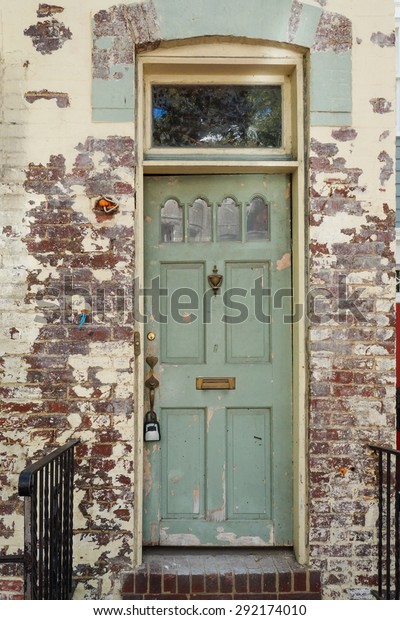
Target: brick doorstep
(169, 573)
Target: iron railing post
(388, 565)
(28, 589)
(47, 487)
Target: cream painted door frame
(274, 61)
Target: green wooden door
(222, 472)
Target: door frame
(278, 59)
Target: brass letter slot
(215, 383)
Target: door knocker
(215, 280)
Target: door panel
(222, 472)
(183, 486)
(182, 339)
(241, 345)
(249, 432)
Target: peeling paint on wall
(334, 33)
(116, 34)
(351, 256)
(47, 10)
(344, 134)
(62, 99)
(85, 376)
(58, 255)
(380, 105)
(387, 169)
(145, 26)
(294, 21)
(384, 40)
(48, 36)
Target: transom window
(228, 110)
(215, 116)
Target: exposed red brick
(380, 105)
(383, 40)
(269, 582)
(255, 582)
(46, 10)
(344, 134)
(387, 170)
(9, 585)
(48, 36)
(109, 435)
(62, 99)
(144, 22)
(141, 582)
(57, 406)
(169, 583)
(212, 583)
(198, 584)
(334, 33)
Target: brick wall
(62, 254)
(351, 366)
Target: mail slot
(215, 383)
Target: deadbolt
(151, 336)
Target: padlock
(151, 427)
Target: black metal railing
(47, 487)
(388, 572)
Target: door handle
(151, 424)
(152, 382)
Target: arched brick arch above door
(120, 29)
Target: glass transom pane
(233, 115)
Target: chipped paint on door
(222, 473)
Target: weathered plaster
(144, 24)
(116, 32)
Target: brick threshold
(225, 574)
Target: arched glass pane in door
(228, 221)
(257, 219)
(171, 221)
(200, 221)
